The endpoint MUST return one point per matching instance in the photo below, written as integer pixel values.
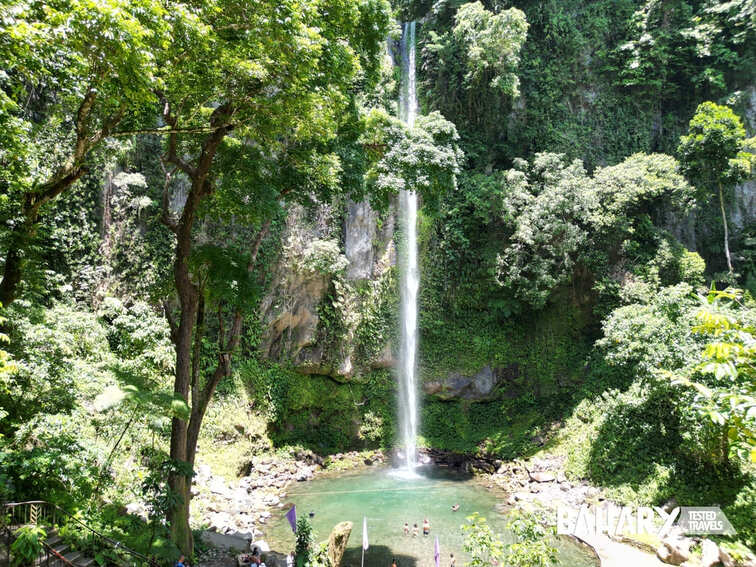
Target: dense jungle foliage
(587, 232)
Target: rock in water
(337, 542)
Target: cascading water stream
(410, 275)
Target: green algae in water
(388, 500)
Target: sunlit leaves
(553, 205)
(491, 45)
(713, 152)
(481, 543)
(724, 380)
(532, 546)
(425, 158)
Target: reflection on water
(388, 501)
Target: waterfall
(410, 275)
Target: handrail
(57, 554)
(113, 543)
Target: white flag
(364, 533)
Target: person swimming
(426, 527)
(415, 530)
(455, 507)
(406, 528)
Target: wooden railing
(47, 514)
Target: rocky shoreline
(241, 509)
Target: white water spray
(410, 276)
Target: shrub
(27, 546)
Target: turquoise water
(388, 501)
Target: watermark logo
(704, 520)
(613, 520)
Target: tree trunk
(726, 231)
(11, 276)
(183, 446)
(180, 484)
(188, 434)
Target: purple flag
(437, 552)
(291, 515)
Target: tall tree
(268, 83)
(714, 157)
(73, 71)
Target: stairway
(57, 553)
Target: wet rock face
(317, 259)
(290, 310)
(476, 387)
(359, 234)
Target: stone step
(73, 557)
(61, 548)
(53, 541)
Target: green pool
(388, 500)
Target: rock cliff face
(326, 311)
(742, 209)
(290, 310)
(333, 263)
(485, 384)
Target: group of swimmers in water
(426, 526)
(416, 530)
(426, 532)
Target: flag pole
(364, 539)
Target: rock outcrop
(709, 553)
(290, 310)
(674, 549)
(337, 542)
(478, 386)
(314, 268)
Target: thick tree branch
(161, 131)
(199, 333)
(171, 154)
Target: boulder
(458, 385)
(220, 522)
(538, 476)
(674, 550)
(337, 542)
(218, 486)
(709, 553)
(725, 558)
